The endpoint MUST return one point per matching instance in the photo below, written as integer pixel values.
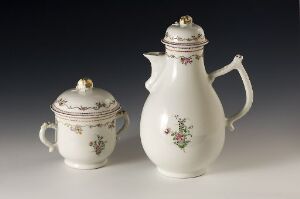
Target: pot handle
(237, 65)
(123, 114)
(44, 140)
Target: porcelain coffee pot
(85, 125)
(183, 123)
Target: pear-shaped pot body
(182, 126)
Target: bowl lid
(85, 100)
(185, 33)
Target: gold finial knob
(84, 84)
(186, 20)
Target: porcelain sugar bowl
(85, 125)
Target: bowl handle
(237, 65)
(44, 140)
(123, 114)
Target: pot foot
(182, 175)
(77, 165)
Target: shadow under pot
(85, 125)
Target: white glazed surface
(183, 124)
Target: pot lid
(85, 100)
(185, 33)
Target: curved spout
(157, 60)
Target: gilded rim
(184, 44)
(184, 50)
(85, 115)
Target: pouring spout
(157, 60)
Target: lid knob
(185, 20)
(84, 84)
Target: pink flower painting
(182, 135)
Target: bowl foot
(77, 165)
(182, 175)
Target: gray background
(47, 47)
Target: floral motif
(78, 129)
(98, 105)
(192, 38)
(182, 136)
(185, 60)
(61, 102)
(98, 144)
